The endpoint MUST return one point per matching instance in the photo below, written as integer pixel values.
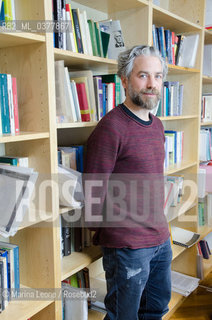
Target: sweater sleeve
(101, 155)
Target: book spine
(83, 102)
(15, 105)
(77, 31)
(10, 103)
(93, 37)
(5, 116)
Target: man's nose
(151, 83)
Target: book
(116, 41)
(98, 96)
(93, 36)
(77, 30)
(70, 33)
(86, 76)
(188, 51)
(83, 101)
(205, 249)
(4, 105)
(15, 104)
(183, 237)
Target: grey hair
(126, 59)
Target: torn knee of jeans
(132, 272)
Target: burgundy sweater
(127, 155)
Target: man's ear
(124, 81)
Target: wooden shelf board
(206, 79)
(95, 315)
(23, 310)
(179, 70)
(179, 167)
(172, 118)
(168, 20)
(208, 123)
(208, 37)
(79, 260)
(176, 300)
(204, 231)
(76, 124)
(207, 266)
(80, 60)
(23, 136)
(175, 212)
(37, 217)
(177, 250)
(10, 39)
(110, 6)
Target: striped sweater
(124, 166)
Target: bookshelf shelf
(176, 300)
(30, 57)
(112, 6)
(207, 80)
(76, 125)
(23, 309)
(84, 61)
(172, 21)
(181, 70)
(205, 124)
(14, 39)
(177, 250)
(95, 315)
(179, 167)
(173, 118)
(79, 260)
(24, 136)
(207, 265)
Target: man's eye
(143, 75)
(158, 76)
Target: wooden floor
(198, 306)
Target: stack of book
(83, 35)
(180, 50)
(173, 147)
(183, 284)
(7, 11)
(80, 96)
(9, 120)
(205, 150)
(9, 273)
(206, 109)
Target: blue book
(4, 253)
(2, 14)
(104, 98)
(15, 267)
(5, 114)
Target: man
(127, 148)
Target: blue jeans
(138, 282)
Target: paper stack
(183, 284)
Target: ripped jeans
(138, 282)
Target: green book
(98, 39)
(9, 160)
(93, 37)
(105, 37)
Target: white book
(116, 42)
(87, 32)
(207, 60)
(70, 108)
(183, 284)
(83, 33)
(76, 100)
(10, 102)
(78, 77)
(183, 237)
(110, 96)
(70, 45)
(188, 51)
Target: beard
(142, 101)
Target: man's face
(145, 82)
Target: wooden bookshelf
(30, 58)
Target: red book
(83, 101)
(15, 104)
